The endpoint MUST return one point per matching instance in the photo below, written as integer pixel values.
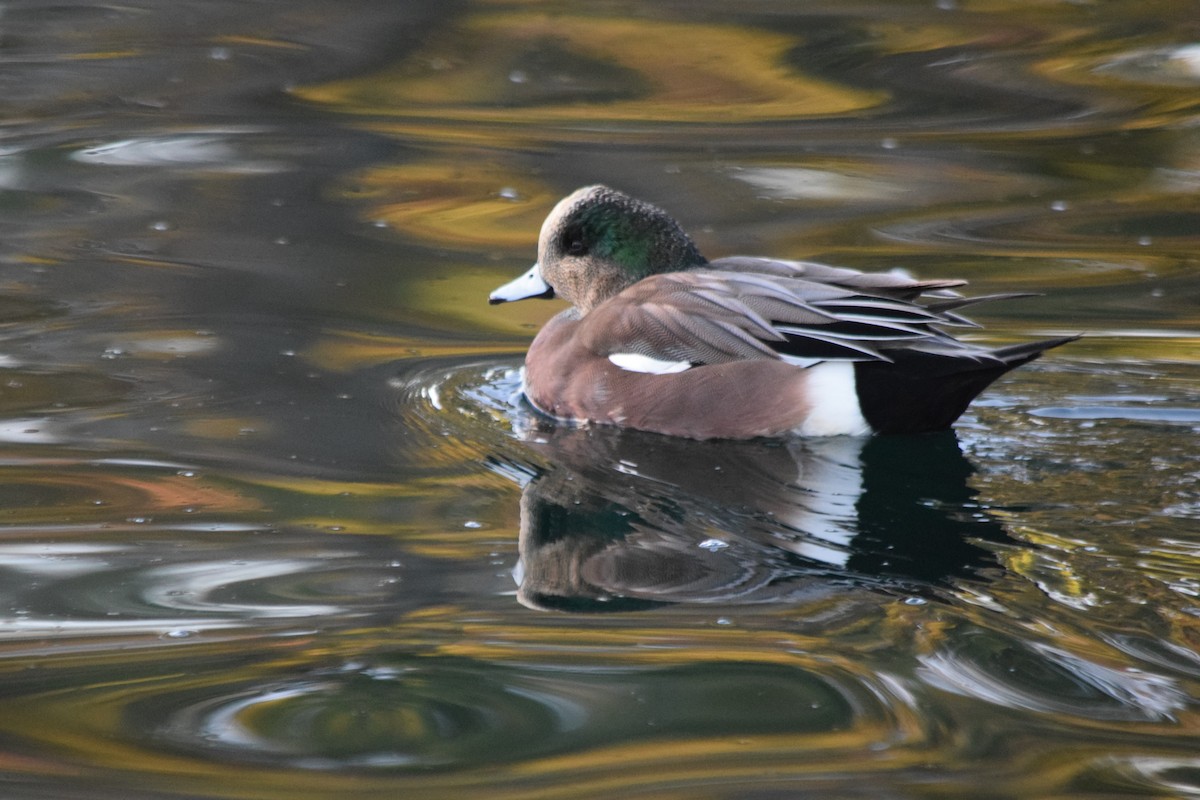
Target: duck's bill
(528, 285)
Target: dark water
(272, 523)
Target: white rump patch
(636, 362)
(833, 394)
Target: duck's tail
(920, 391)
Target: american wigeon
(661, 339)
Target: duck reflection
(622, 520)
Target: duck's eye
(573, 241)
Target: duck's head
(596, 242)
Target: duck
(658, 338)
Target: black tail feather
(1018, 354)
(918, 392)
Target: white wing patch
(636, 362)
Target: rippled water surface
(274, 522)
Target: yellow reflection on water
(349, 351)
(648, 70)
(259, 41)
(223, 428)
(445, 202)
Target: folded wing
(796, 311)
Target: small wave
(1169, 414)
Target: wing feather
(747, 308)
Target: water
(273, 522)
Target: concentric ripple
(408, 713)
(403, 712)
(447, 410)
